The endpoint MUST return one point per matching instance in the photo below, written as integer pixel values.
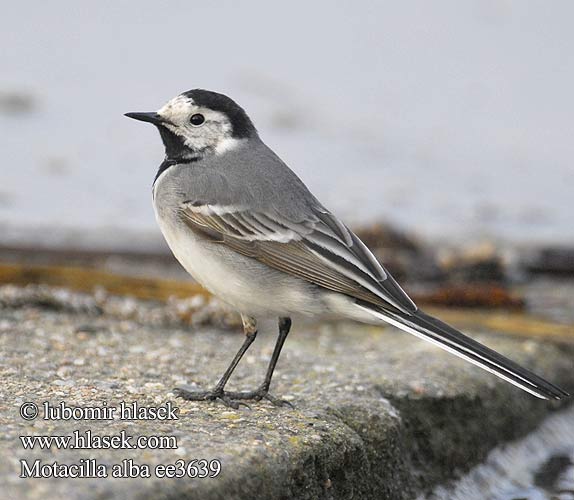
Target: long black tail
(433, 330)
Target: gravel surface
(376, 413)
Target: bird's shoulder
(250, 176)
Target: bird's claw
(227, 401)
(277, 401)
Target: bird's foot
(258, 395)
(232, 399)
(213, 395)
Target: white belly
(244, 283)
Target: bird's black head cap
(242, 125)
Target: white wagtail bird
(247, 228)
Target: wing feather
(321, 250)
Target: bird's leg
(250, 329)
(263, 391)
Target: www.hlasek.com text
(87, 440)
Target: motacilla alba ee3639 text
(248, 229)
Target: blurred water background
(452, 120)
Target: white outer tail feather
(418, 334)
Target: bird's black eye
(197, 119)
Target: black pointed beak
(146, 117)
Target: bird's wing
(319, 249)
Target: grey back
(251, 175)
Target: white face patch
(178, 109)
(214, 135)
